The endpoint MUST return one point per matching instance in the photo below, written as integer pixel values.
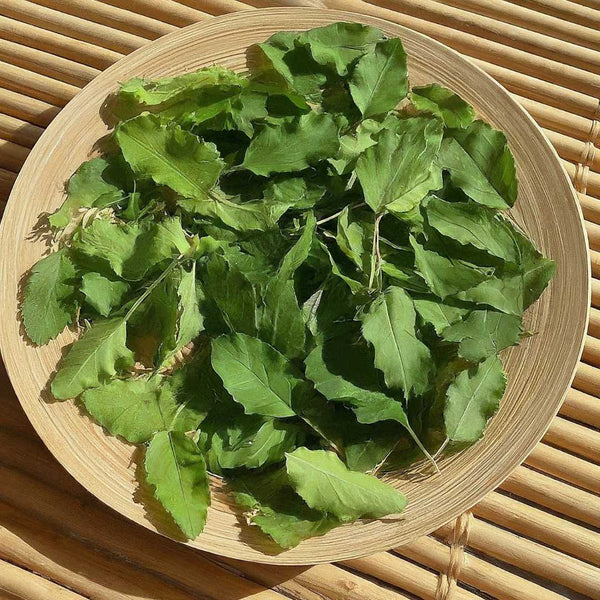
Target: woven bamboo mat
(535, 538)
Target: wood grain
(547, 209)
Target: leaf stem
(376, 252)
(338, 213)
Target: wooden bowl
(540, 370)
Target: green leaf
(439, 314)
(279, 512)
(397, 172)
(261, 379)
(445, 276)
(97, 181)
(169, 156)
(472, 224)
(326, 484)
(49, 304)
(93, 359)
(339, 45)
(481, 164)
(443, 103)
(472, 398)
(380, 78)
(354, 238)
(190, 322)
(352, 145)
(484, 333)
(101, 293)
(389, 325)
(294, 192)
(292, 146)
(176, 468)
(135, 409)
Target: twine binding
(458, 541)
(588, 154)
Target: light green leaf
(326, 484)
(380, 79)
(292, 146)
(261, 379)
(93, 359)
(190, 322)
(389, 325)
(294, 192)
(49, 304)
(472, 398)
(176, 468)
(397, 172)
(352, 145)
(444, 103)
(169, 156)
(439, 314)
(101, 293)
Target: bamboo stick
(593, 233)
(396, 571)
(575, 438)
(104, 529)
(511, 36)
(587, 378)
(591, 351)
(590, 208)
(582, 407)
(19, 132)
(74, 27)
(591, 180)
(26, 108)
(167, 11)
(28, 586)
(595, 263)
(595, 294)
(535, 558)
(69, 562)
(533, 20)
(572, 149)
(556, 119)
(12, 156)
(61, 45)
(313, 583)
(555, 495)
(562, 9)
(218, 7)
(111, 16)
(36, 85)
(487, 50)
(7, 180)
(565, 466)
(46, 64)
(476, 572)
(540, 525)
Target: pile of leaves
(294, 279)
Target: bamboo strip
(595, 263)
(575, 438)
(587, 378)
(565, 466)
(313, 583)
(476, 572)
(46, 64)
(111, 16)
(35, 546)
(590, 3)
(167, 11)
(571, 149)
(535, 558)
(484, 49)
(74, 27)
(19, 132)
(102, 529)
(592, 180)
(26, 108)
(218, 7)
(582, 407)
(556, 119)
(61, 45)
(562, 9)
(540, 525)
(29, 586)
(12, 156)
(7, 180)
(591, 351)
(36, 85)
(595, 296)
(557, 496)
(533, 20)
(590, 208)
(508, 34)
(396, 571)
(593, 233)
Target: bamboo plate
(539, 371)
